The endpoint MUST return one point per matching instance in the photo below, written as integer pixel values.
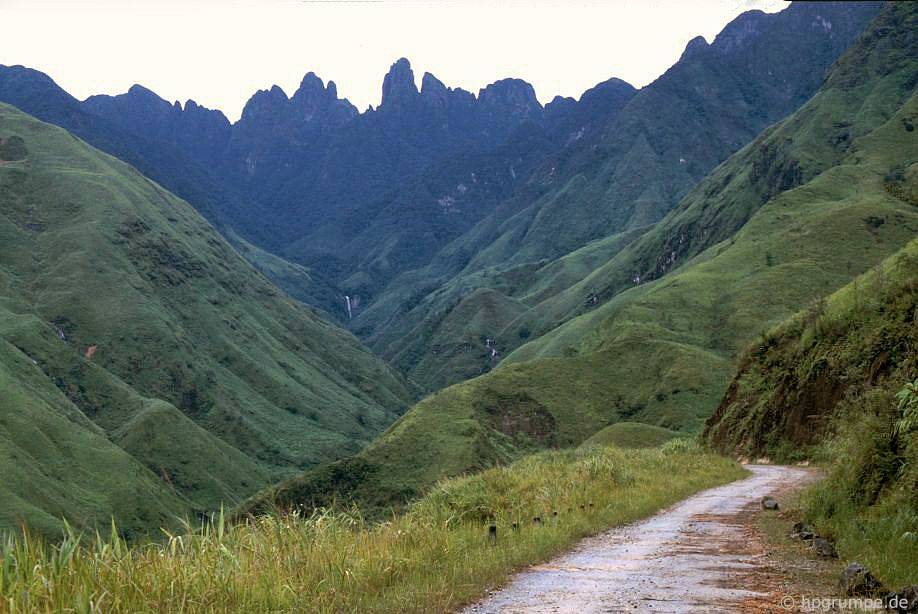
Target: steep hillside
(138, 326)
(838, 382)
(177, 150)
(406, 209)
(796, 378)
(354, 197)
(58, 465)
(584, 204)
(801, 208)
(177, 170)
(662, 351)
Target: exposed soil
(708, 553)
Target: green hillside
(815, 201)
(837, 353)
(631, 435)
(58, 464)
(662, 351)
(838, 382)
(583, 205)
(144, 355)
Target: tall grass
(869, 501)
(434, 557)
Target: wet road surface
(695, 556)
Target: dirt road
(697, 556)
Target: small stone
(824, 547)
(769, 503)
(904, 600)
(802, 530)
(856, 580)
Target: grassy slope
(800, 243)
(823, 384)
(419, 562)
(662, 352)
(859, 94)
(296, 280)
(793, 376)
(631, 435)
(57, 464)
(583, 205)
(201, 368)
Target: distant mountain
(356, 198)
(147, 369)
(38, 95)
(815, 200)
(327, 186)
(176, 150)
(585, 202)
(198, 132)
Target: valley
(330, 359)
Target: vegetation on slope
(584, 204)
(793, 377)
(662, 352)
(631, 435)
(853, 407)
(57, 464)
(809, 234)
(137, 323)
(172, 167)
(837, 383)
(434, 558)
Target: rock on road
(690, 557)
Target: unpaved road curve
(692, 557)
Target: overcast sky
(218, 52)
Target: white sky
(218, 52)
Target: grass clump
(869, 502)
(434, 557)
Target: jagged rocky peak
(314, 98)
(609, 88)
(560, 104)
(137, 96)
(695, 46)
(433, 89)
(198, 113)
(313, 87)
(138, 91)
(139, 105)
(264, 103)
(398, 86)
(512, 95)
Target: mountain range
(150, 372)
(745, 248)
(543, 274)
